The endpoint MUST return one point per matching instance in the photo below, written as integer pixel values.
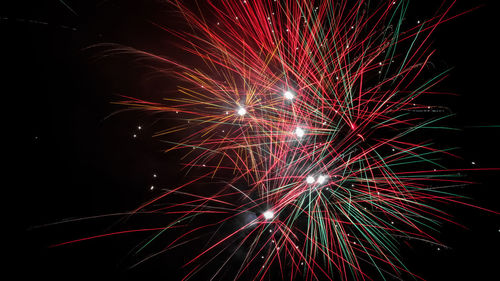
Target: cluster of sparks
(299, 121)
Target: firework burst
(304, 118)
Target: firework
(304, 118)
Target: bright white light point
(134, 135)
(154, 176)
(473, 163)
(242, 111)
(288, 95)
(321, 179)
(310, 179)
(152, 187)
(139, 127)
(299, 132)
(268, 215)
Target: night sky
(77, 156)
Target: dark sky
(72, 161)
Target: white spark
(321, 179)
(242, 111)
(268, 214)
(310, 179)
(288, 95)
(299, 132)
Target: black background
(73, 160)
